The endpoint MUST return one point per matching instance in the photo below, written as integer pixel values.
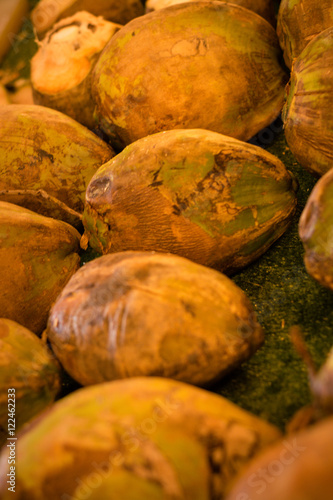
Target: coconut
(298, 22)
(298, 467)
(43, 149)
(141, 313)
(264, 8)
(139, 438)
(316, 231)
(209, 65)
(61, 68)
(207, 197)
(29, 377)
(308, 111)
(38, 255)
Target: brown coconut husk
(61, 68)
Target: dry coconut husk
(48, 12)
(61, 68)
(298, 22)
(308, 111)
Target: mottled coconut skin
(143, 313)
(38, 255)
(316, 231)
(195, 193)
(41, 148)
(264, 8)
(298, 467)
(30, 371)
(298, 22)
(48, 12)
(208, 65)
(142, 438)
(308, 111)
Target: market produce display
(165, 186)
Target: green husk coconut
(210, 65)
(316, 231)
(142, 438)
(43, 149)
(308, 111)
(264, 8)
(298, 22)
(61, 68)
(29, 377)
(207, 197)
(142, 313)
(298, 467)
(38, 255)
(48, 12)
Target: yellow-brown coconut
(137, 439)
(264, 8)
(210, 65)
(61, 68)
(298, 22)
(38, 255)
(143, 313)
(29, 377)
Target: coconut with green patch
(132, 439)
(320, 383)
(211, 198)
(43, 149)
(308, 111)
(210, 65)
(38, 255)
(298, 22)
(29, 377)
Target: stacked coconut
(164, 188)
